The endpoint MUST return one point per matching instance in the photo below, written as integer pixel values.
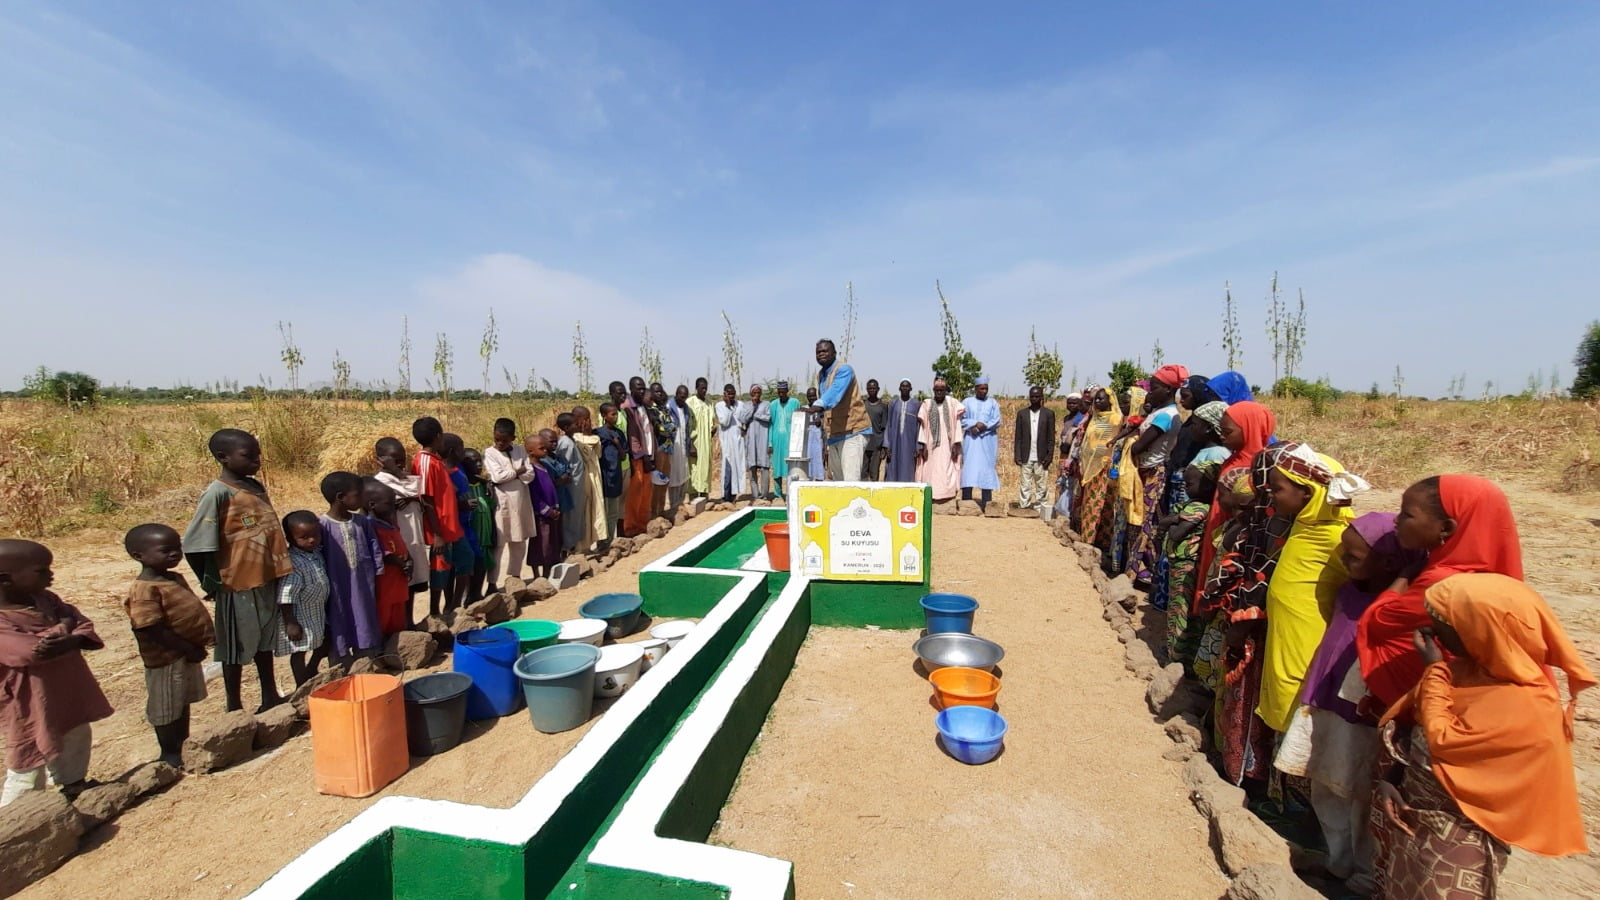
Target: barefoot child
(411, 513)
(172, 629)
(237, 550)
(481, 533)
(506, 466)
(443, 522)
(51, 696)
(544, 551)
(303, 597)
(354, 559)
(393, 584)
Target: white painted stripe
(518, 825)
(632, 843)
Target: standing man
(877, 417)
(981, 446)
(782, 411)
(758, 445)
(939, 442)
(1033, 447)
(666, 437)
(702, 411)
(642, 455)
(730, 433)
(845, 424)
(900, 436)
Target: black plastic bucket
(436, 710)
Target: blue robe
(779, 439)
(900, 439)
(353, 593)
(980, 452)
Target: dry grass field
(115, 465)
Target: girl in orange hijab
(1489, 760)
(1464, 524)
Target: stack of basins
(960, 667)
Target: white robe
(730, 435)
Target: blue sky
(179, 178)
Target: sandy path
(849, 784)
(221, 835)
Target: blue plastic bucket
(488, 655)
(559, 685)
(971, 734)
(621, 612)
(949, 612)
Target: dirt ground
(848, 782)
(221, 835)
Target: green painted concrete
(364, 873)
(408, 863)
(427, 865)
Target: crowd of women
(1392, 669)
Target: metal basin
(956, 649)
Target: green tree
(956, 365)
(1043, 367)
(1124, 372)
(71, 388)
(1587, 383)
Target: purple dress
(544, 548)
(353, 557)
(1337, 652)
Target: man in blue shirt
(846, 419)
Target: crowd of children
(312, 588)
(1389, 676)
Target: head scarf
(1172, 376)
(1074, 396)
(1485, 540)
(1211, 414)
(1237, 482)
(1200, 392)
(1337, 652)
(1498, 738)
(1231, 387)
(1331, 484)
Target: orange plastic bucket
(961, 686)
(777, 535)
(358, 735)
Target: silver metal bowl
(957, 649)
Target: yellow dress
(1300, 598)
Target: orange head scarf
(1500, 742)
(1258, 424)
(1485, 540)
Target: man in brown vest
(846, 419)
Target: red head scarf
(1172, 376)
(1258, 424)
(1485, 540)
(1500, 741)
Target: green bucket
(532, 633)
